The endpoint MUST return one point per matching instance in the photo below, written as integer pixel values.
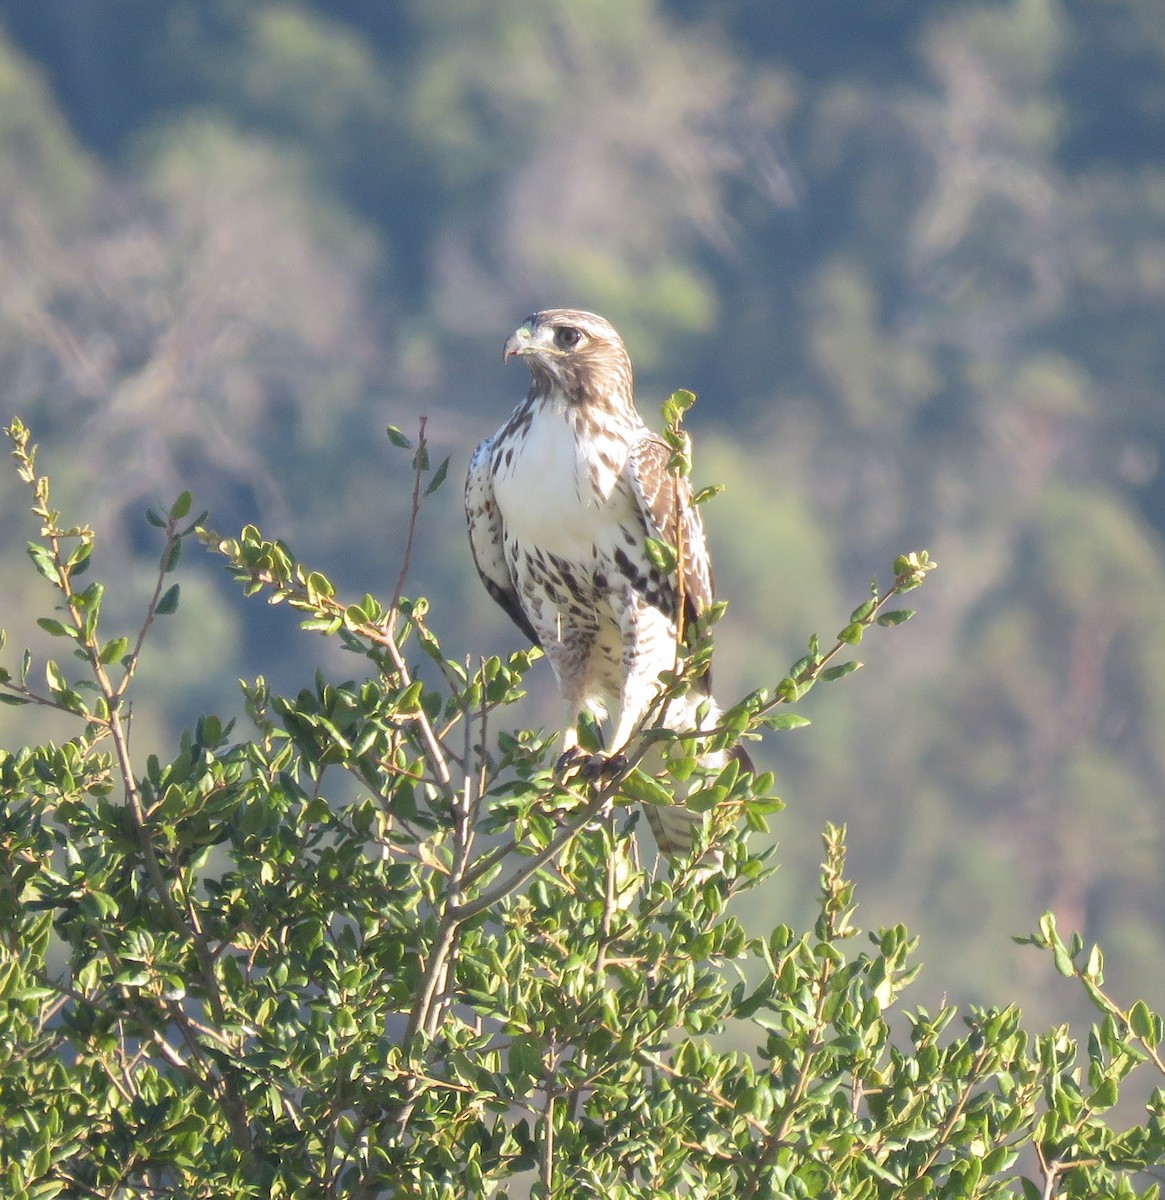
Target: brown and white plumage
(560, 503)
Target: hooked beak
(517, 343)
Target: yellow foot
(602, 768)
(594, 768)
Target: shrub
(378, 948)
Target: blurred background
(910, 254)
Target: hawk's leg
(570, 760)
(602, 768)
(595, 766)
(649, 649)
(569, 656)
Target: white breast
(549, 498)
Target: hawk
(560, 503)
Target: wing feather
(665, 500)
(486, 538)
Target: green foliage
(911, 251)
(378, 948)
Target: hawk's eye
(566, 337)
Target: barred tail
(674, 828)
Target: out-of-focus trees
(964, 361)
(605, 168)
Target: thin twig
(1051, 1174)
(434, 750)
(949, 1125)
(546, 1166)
(432, 996)
(681, 582)
(487, 900)
(131, 662)
(775, 1139)
(414, 509)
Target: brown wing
(485, 538)
(665, 500)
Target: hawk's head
(575, 352)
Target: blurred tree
(204, 322)
(605, 166)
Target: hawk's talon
(570, 761)
(616, 766)
(602, 768)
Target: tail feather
(741, 757)
(673, 827)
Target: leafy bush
(379, 949)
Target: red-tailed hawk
(560, 503)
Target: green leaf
(765, 805)
(705, 799)
(355, 616)
(707, 493)
(438, 477)
(801, 667)
(787, 720)
(831, 673)
(92, 597)
(1048, 933)
(1144, 1024)
(55, 628)
(98, 904)
(43, 561)
(662, 556)
(79, 559)
(132, 977)
(1105, 1096)
(54, 678)
(196, 526)
(180, 507)
(327, 625)
(896, 616)
(525, 1061)
(397, 438)
(170, 556)
(319, 586)
(1094, 968)
(168, 603)
(1063, 962)
(113, 650)
(641, 787)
